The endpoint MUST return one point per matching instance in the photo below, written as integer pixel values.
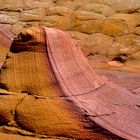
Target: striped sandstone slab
(109, 105)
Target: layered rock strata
(111, 26)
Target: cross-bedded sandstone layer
(31, 97)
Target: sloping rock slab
(109, 105)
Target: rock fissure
(126, 105)
(20, 101)
(101, 115)
(65, 96)
(13, 123)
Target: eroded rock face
(31, 100)
(132, 20)
(33, 15)
(11, 5)
(112, 18)
(95, 44)
(123, 6)
(87, 21)
(33, 4)
(34, 104)
(98, 8)
(114, 28)
(127, 44)
(8, 106)
(7, 19)
(137, 30)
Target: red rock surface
(53, 91)
(105, 103)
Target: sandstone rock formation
(25, 106)
(33, 103)
(109, 34)
(113, 18)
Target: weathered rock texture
(107, 29)
(31, 100)
(39, 99)
(109, 33)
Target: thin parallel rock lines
(69, 77)
(100, 101)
